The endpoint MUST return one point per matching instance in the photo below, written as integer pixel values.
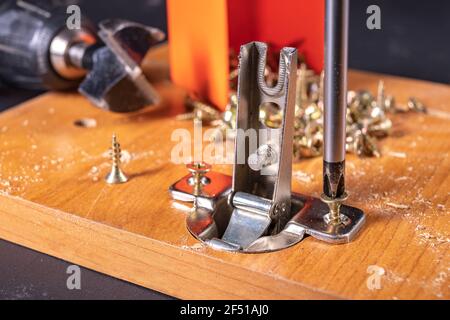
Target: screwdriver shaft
(335, 96)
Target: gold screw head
(416, 105)
(116, 175)
(198, 169)
(334, 216)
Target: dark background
(414, 42)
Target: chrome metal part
(116, 81)
(314, 220)
(214, 187)
(60, 49)
(307, 218)
(256, 211)
(266, 173)
(77, 52)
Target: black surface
(27, 274)
(10, 97)
(414, 40)
(24, 61)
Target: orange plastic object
(201, 32)
(198, 42)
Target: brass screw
(321, 91)
(302, 86)
(380, 96)
(199, 111)
(115, 176)
(334, 216)
(416, 105)
(198, 171)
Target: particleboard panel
(53, 200)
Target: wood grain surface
(53, 199)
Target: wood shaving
(125, 157)
(303, 176)
(397, 154)
(397, 205)
(195, 247)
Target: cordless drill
(38, 50)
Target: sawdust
(143, 155)
(400, 179)
(125, 156)
(440, 279)
(396, 154)
(417, 211)
(303, 176)
(195, 247)
(430, 237)
(439, 114)
(437, 286)
(95, 171)
(16, 180)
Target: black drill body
(40, 50)
(26, 32)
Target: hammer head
(116, 81)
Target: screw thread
(116, 175)
(115, 151)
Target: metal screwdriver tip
(115, 176)
(334, 216)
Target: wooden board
(53, 199)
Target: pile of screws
(367, 120)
